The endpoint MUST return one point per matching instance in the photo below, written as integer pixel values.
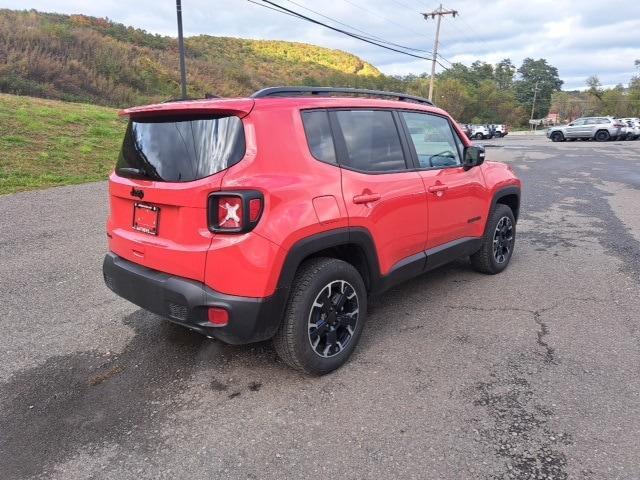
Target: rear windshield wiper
(132, 172)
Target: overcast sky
(580, 38)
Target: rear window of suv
(179, 149)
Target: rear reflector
(218, 317)
(255, 209)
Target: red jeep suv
(276, 216)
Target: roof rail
(328, 91)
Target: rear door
(166, 170)
(380, 193)
(456, 198)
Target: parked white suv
(500, 130)
(480, 132)
(632, 127)
(600, 129)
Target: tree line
(617, 101)
(86, 59)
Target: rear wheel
(324, 318)
(602, 136)
(498, 242)
(479, 136)
(557, 137)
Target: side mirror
(570, 125)
(473, 156)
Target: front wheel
(498, 242)
(479, 136)
(557, 137)
(324, 318)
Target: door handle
(366, 198)
(437, 189)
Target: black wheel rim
(333, 318)
(503, 240)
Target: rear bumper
(186, 302)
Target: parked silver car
(586, 128)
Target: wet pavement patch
(86, 399)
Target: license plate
(145, 218)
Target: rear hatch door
(171, 160)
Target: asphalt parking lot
(534, 373)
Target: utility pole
(183, 70)
(533, 105)
(439, 12)
(535, 94)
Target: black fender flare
(321, 241)
(503, 192)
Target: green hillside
(86, 59)
(46, 142)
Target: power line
(368, 36)
(404, 27)
(397, 2)
(271, 8)
(282, 9)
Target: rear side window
(372, 140)
(180, 149)
(319, 138)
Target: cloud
(579, 38)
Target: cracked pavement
(530, 374)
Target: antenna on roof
(183, 70)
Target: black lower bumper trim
(186, 302)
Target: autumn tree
(537, 78)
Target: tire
(479, 136)
(557, 137)
(321, 285)
(501, 225)
(602, 136)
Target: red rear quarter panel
(278, 164)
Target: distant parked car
(466, 128)
(632, 128)
(499, 130)
(600, 129)
(636, 127)
(625, 131)
(480, 132)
